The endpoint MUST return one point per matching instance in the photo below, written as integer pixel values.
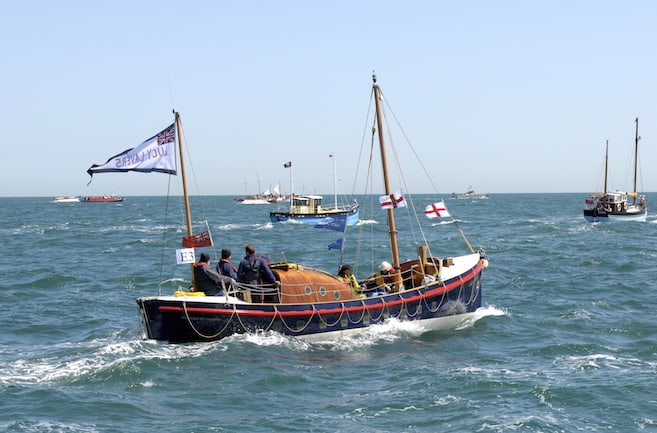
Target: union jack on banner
(166, 136)
(437, 209)
(392, 201)
(197, 241)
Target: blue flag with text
(337, 223)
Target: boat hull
(102, 199)
(352, 214)
(253, 200)
(470, 196)
(595, 216)
(200, 318)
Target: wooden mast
(188, 212)
(392, 230)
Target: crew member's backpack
(252, 272)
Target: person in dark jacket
(253, 269)
(209, 280)
(225, 266)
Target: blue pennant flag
(337, 245)
(337, 223)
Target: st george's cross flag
(392, 201)
(437, 209)
(158, 154)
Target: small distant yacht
(66, 199)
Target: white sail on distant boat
(276, 195)
(259, 198)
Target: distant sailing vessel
(615, 205)
(259, 198)
(469, 194)
(102, 199)
(275, 196)
(66, 199)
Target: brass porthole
(322, 291)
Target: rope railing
(412, 278)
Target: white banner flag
(158, 154)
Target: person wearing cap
(225, 266)
(208, 280)
(346, 276)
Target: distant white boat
(254, 199)
(469, 194)
(66, 199)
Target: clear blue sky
(509, 96)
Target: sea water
(566, 339)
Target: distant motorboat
(66, 199)
(469, 194)
(308, 209)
